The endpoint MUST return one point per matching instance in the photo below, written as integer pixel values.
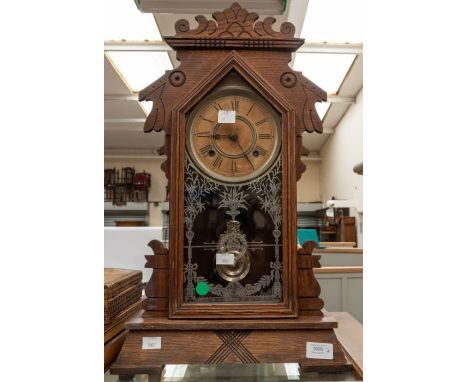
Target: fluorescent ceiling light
(292, 371)
(123, 21)
(325, 70)
(333, 21)
(263, 7)
(175, 371)
(140, 69)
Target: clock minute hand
(245, 155)
(220, 135)
(209, 135)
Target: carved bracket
(310, 117)
(156, 289)
(310, 304)
(153, 92)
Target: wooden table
(349, 333)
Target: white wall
(126, 247)
(341, 152)
(308, 187)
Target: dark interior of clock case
(245, 217)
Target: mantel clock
(231, 281)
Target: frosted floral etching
(233, 199)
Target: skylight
(146, 106)
(325, 70)
(321, 108)
(124, 21)
(333, 21)
(140, 69)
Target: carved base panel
(227, 346)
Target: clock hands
(244, 154)
(215, 136)
(230, 132)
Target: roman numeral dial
(236, 148)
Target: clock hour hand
(245, 155)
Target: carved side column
(157, 293)
(310, 304)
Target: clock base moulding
(210, 342)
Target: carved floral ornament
(235, 27)
(234, 22)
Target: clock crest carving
(233, 113)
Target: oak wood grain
(118, 323)
(257, 346)
(112, 348)
(153, 322)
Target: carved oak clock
(231, 282)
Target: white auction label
(151, 343)
(319, 350)
(225, 259)
(226, 116)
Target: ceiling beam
(331, 47)
(128, 121)
(333, 98)
(263, 7)
(133, 156)
(120, 97)
(161, 46)
(136, 46)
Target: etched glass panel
(232, 243)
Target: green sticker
(202, 288)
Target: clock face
(237, 149)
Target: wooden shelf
(344, 269)
(318, 251)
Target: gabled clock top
(234, 29)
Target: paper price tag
(319, 350)
(226, 116)
(151, 343)
(225, 259)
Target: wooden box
(122, 288)
(117, 280)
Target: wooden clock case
(231, 332)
